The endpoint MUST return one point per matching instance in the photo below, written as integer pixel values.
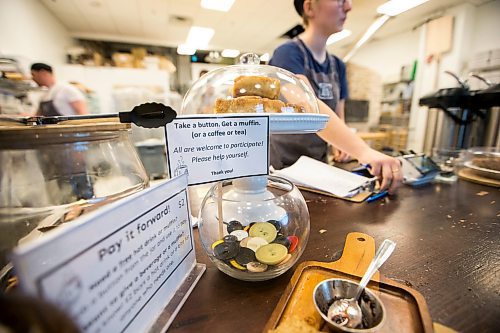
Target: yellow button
(271, 254)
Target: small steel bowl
(328, 291)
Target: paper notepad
(316, 175)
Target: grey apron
(47, 108)
(285, 149)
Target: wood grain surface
(448, 249)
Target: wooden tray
(473, 176)
(406, 308)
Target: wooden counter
(448, 248)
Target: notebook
(317, 176)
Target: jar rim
(22, 133)
(284, 181)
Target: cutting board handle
(359, 250)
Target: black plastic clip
(149, 115)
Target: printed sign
(217, 148)
(117, 268)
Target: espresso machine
(469, 118)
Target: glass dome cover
(249, 88)
(57, 168)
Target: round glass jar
(55, 168)
(264, 226)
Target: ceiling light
(396, 7)
(265, 57)
(199, 37)
(184, 49)
(369, 32)
(372, 29)
(220, 5)
(229, 53)
(213, 57)
(338, 36)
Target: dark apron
(80, 182)
(285, 149)
(48, 109)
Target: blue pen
(377, 196)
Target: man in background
(61, 99)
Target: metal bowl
(328, 291)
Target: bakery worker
(61, 99)
(306, 56)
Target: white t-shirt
(62, 94)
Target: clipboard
(360, 197)
(314, 176)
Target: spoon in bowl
(346, 311)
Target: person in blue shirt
(306, 56)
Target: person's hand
(340, 156)
(387, 169)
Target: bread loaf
(248, 104)
(256, 86)
(487, 162)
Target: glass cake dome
(253, 88)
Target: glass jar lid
(249, 88)
(25, 132)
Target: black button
(245, 255)
(276, 224)
(280, 239)
(226, 250)
(234, 225)
(230, 238)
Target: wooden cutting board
(406, 310)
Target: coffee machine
(469, 118)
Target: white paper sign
(115, 269)
(217, 148)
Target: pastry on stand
(255, 228)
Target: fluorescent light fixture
(184, 49)
(396, 7)
(199, 37)
(265, 57)
(220, 5)
(229, 53)
(338, 36)
(372, 29)
(379, 22)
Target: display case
(258, 89)
(56, 168)
(255, 228)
